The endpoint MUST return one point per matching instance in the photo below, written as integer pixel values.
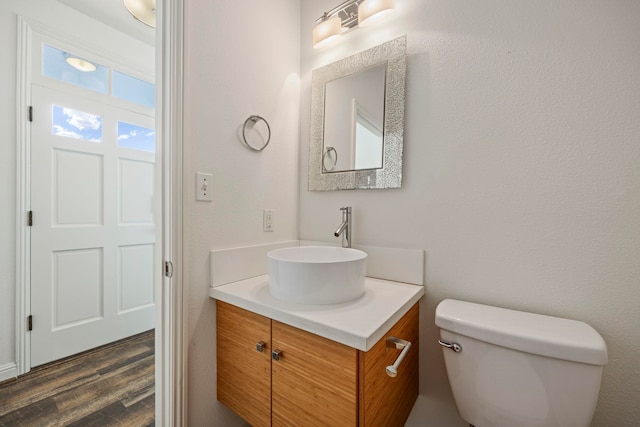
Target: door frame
(171, 367)
(170, 357)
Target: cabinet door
(244, 373)
(314, 382)
(386, 401)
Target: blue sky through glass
(136, 137)
(76, 124)
(133, 90)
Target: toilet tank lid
(532, 333)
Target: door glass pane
(76, 124)
(136, 137)
(134, 90)
(56, 64)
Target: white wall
(239, 60)
(91, 34)
(521, 171)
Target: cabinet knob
(276, 354)
(260, 346)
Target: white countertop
(359, 323)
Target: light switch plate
(204, 187)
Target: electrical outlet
(267, 220)
(204, 187)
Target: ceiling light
(79, 63)
(143, 10)
(326, 31)
(371, 11)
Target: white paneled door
(93, 239)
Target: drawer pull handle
(400, 344)
(276, 354)
(260, 346)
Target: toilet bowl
(510, 368)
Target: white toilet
(509, 368)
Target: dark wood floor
(109, 386)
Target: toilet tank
(520, 369)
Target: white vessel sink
(316, 274)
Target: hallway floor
(109, 386)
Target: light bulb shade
(79, 63)
(326, 31)
(143, 10)
(371, 11)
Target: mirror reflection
(357, 120)
(354, 121)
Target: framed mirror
(357, 120)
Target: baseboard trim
(8, 372)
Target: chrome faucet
(345, 227)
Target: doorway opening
(168, 298)
(91, 259)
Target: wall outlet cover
(267, 220)
(204, 187)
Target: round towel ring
(255, 119)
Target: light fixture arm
(346, 17)
(323, 18)
(347, 11)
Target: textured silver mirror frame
(390, 175)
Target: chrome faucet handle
(345, 228)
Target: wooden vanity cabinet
(314, 381)
(244, 373)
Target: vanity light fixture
(346, 17)
(372, 11)
(79, 63)
(143, 10)
(326, 30)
